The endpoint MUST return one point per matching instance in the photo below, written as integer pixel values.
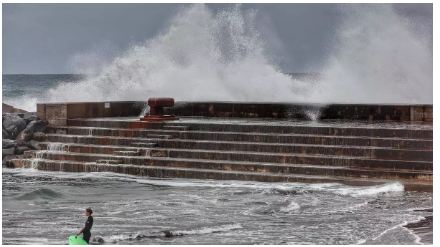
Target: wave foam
(263, 187)
(171, 233)
(224, 56)
(291, 207)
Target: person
(88, 226)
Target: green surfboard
(76, 240)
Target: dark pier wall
(58, 113)
(370, 112)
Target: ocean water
(46, 207)
(24, 90)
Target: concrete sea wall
(369, 145)
(371, 112)
(58, 113)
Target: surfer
(88, 226)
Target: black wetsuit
(87, 228)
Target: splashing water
(190, 211)
(378, 58)
(145, 110)
(313, 113)
(56, 147)
(36, 159)
(201, 56)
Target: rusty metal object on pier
(157, 106)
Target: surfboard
(76, 240)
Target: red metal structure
(156, 110)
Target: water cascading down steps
(275, 152)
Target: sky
(51, 38)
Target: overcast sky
(46, 38)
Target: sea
(46, 207)
(42, 207)
(24, 90)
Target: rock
(7, 158)
(98, 240)
(39, 136)
(168, 234)
(30, 116)
(23, 137)
(6, 135)
(21, 149)
(35, 145)
(13, 124)
(8, 151)
(6, 143)
(33, 126)
(37, 126)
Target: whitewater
(137, 210)
(204, 55)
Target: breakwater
(240, 148)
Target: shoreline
(423, 228)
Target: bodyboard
(76, 240)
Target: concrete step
(176, 127)
(349, 151)
(159, 136)
(100, 149)
(400, 130)
(244, 166)
(132, 123)
(310, 159)
(144, 144)
(127, 153)
(399, 143)
(233, 155)
(107, 161)
(178, 172)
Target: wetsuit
(87, 228)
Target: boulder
(33, 144)
(6, 143)
(39, 136)
(13, 124)
(98, 240)
(29, 116)
(31, 128)
(8, 151)
(6, 135)
(23, 137)
(21, 149)
(37, 126)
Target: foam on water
(207, 230)
(357, 191)
(181, 211)
(292, 206)
(335, 188)
(223, 56)
(388, 236)
(171, 233)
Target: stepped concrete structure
(350, 144)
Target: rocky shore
(21, 131)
